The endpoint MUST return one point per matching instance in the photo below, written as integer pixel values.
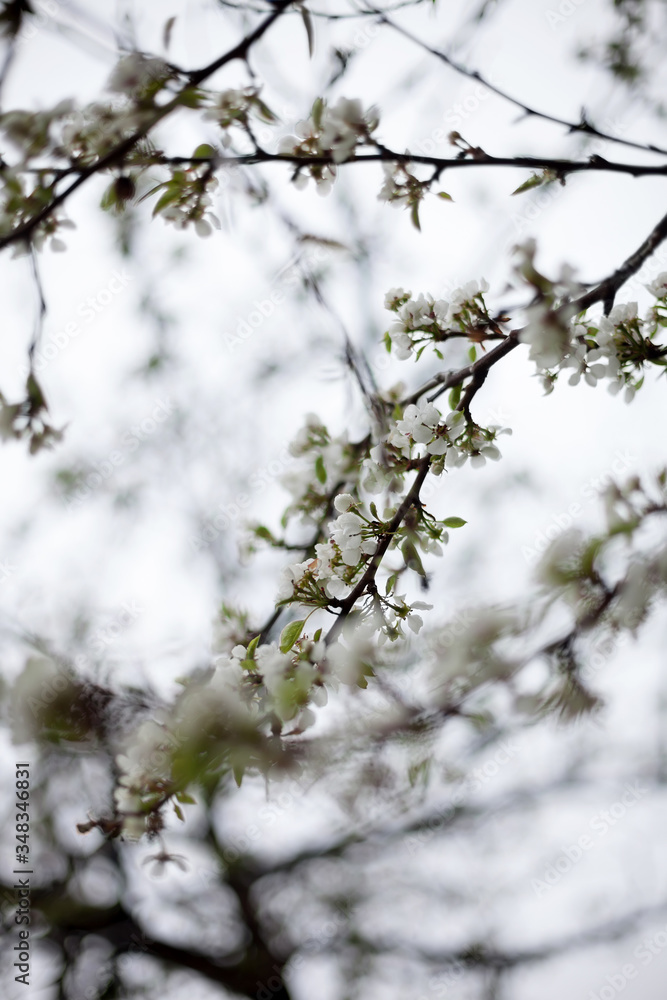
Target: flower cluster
(185, 199)
(334, 131)
(339, 561)
(402, 189)
(28, 419)
(425, 319)
(326, 462)
(233, 108)
(140, 77)
(614, 347)
(450, 442)
(92, 132)
(146, 777)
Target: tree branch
(240, 51)
(584, 127)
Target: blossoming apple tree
(346, 603)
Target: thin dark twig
(604, 291)
(584, 127)
(114, 156)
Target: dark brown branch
(410, 499)
(478, 371)
(605, 292)
(561, 167)
(117, 154)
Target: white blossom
(343, 502)
(658, 286)
(419, 421)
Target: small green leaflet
(414, 215)
(535, 180)
(252, 646)
(455, 397)
(320, 470)
(454, 522)
(445, 196)
(173, 193)
(185, 798)
(290, 634)
(204, 151)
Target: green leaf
(238, 771)
(179, 812)
(445, 196)
(318, 635)
(454, 522)
(316, 111)
(186, 799)
(455, 397)
(374, 510)
(472, 353)
(320, 470)
(387, 342)
(290, 634)
(252, 646)
(205, 150)
(35, 394)
(190, 97)
(533, 181)
(414, 215)
(172, 194)
(109, 199)
(411, 556)
(536, 180)
(366, 671)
